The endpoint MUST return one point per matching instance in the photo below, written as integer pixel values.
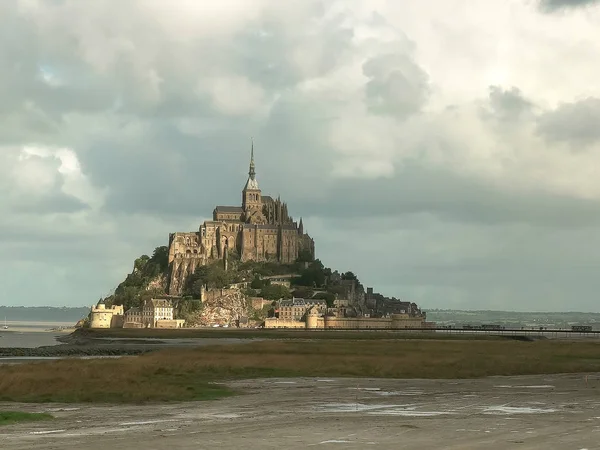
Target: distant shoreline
(17, 329)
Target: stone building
(103, 317)
(154, 313)
(261, 229)
(295, 309)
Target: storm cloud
(452, 164)
(553, 5)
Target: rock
(222, 306)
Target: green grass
(10, 417)
(182, 374)
(241, 333)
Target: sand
(532, 412)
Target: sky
(447, 152)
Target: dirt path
(554, 411)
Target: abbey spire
(252, 184)
(252, 171)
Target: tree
(187, 307)
(313, 275)
(257, 282)
(349, 276)
(195, 282)
(303, 292)
(327, 296)
(304, 255)
(217, 277)
(160, 260)
(275, 292)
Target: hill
(308, 278)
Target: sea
(23, 334)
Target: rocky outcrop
(158, 283)
(222, 307)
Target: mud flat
(529, 412)
(84, 347)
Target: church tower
(251, 196)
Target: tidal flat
(191, 373)
(526, 412)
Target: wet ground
(550, 412)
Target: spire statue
(252, 183)
(252, 171)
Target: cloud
(396, 86)
(553, 5)
(575, 123)
(509, 104)
(447, 161)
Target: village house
(296, 308)
(155, 313)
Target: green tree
(159, 263)
(217, 277)
(336, 290)
(187, 308)
(275, 292)
(313, 275)
(303, 292)
(257, 282)
(349, 276)
(195, 282)
(304, 255)
(327, 296)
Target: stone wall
(395, 322)
(282, 323)
(169, 324)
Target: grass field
(10, 417)
(192, 374)
(245, 333)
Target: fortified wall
(103, 317)
(314, 322)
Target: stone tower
(251, 195)
(261, 229)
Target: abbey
(259, 230)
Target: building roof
(133, 310)
(227, 209)
(160, 303)
(316, 302)
(251, 185)
(267, 199)
(293, 302)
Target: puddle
(353, 407)
(541, 386)
(398, 393)
(408, 413)
(47, 432)
(516, 410)
(144, 422)
(225, 416)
